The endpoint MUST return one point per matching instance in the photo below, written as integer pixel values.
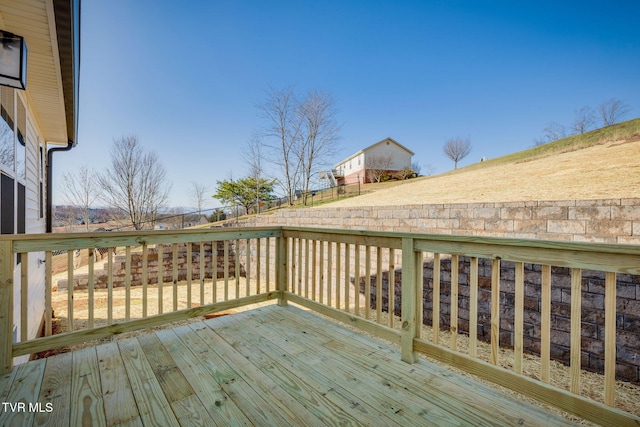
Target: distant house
(38, 117)
(387, 155)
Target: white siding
(400, 158)
(33, 224)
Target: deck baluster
(6, 306)
(453, 322)
(91, 287)
(545, 323)
(610, 339)
(473, 308)
(576, 319)
(24, 296)
(495, 310)
(70, 286)
(436, 299)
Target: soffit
(35, 21)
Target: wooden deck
(267, 366)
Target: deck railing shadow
(337, 273)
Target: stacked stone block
(609, 221)
(101, 276)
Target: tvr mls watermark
(27, 407)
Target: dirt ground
(604, 171)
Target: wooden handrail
(311, 264)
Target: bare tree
(585, 120)
(253, 156)
(416, 167)
(301, 136)
(376, 166)
(406, 173)
(81, 190)
(198, 195)
(429, 169)
(457, 149)
(67, 217)
(136, 182)
(538, 142)
(318, 134)
(553, 132)
(281, 135)
(612, 111)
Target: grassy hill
(626, 131)
(600, 164)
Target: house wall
(34, 216)
(400, 158)
(355, 168)
(354, 177)
(34, 222)
(352, 166)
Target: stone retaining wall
(101, 275)
(609, 221)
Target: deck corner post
(281, 269)
(409, 302)
(6, 306)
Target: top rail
(618, 258)
(70, 241)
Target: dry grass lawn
(605, 171)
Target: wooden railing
(145, 305)
(340, 274)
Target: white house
(36, 121)
(387, 155)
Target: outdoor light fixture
(13, 60)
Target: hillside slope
(600, 165)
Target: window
(7, 144)
(13, 153)
(21, 147)
(22, 205)
(7, 205)
(21, 166)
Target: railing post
(410, 327)
(6, 306)
(281, 268)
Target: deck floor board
(266, 366)
(119, 403)
(435, 384)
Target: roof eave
(67, 18)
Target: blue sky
(185, 76)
